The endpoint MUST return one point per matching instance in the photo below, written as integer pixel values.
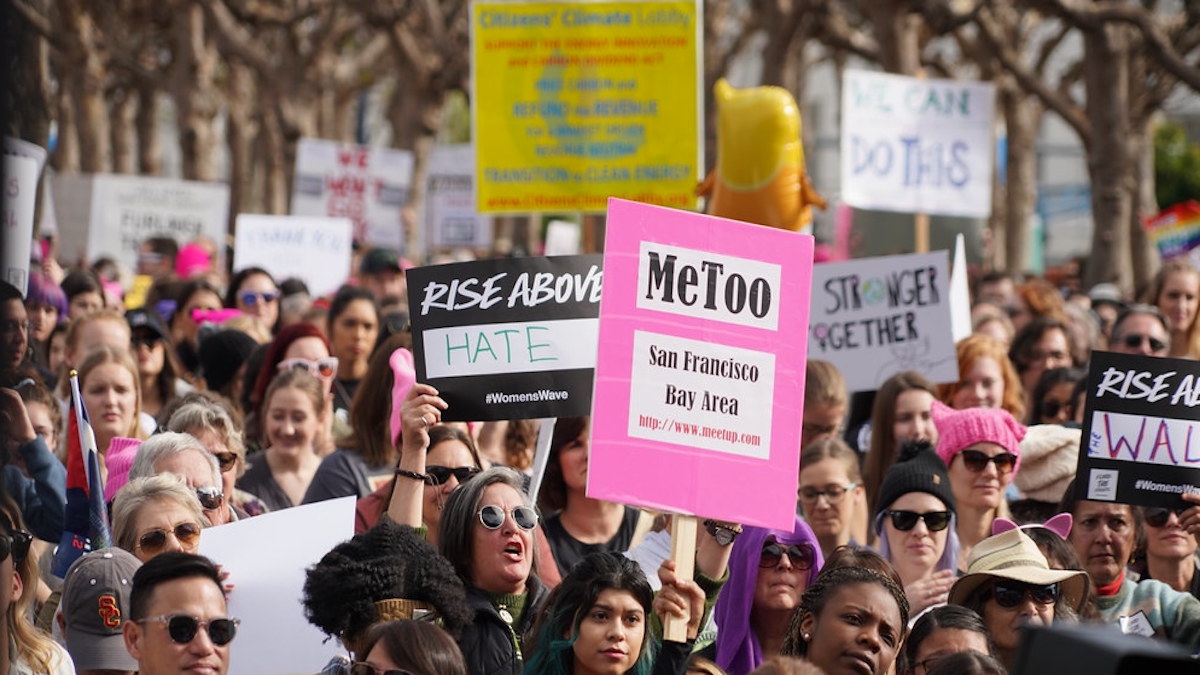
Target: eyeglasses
(1051, 408)
(147, 341)
(438, 475)
(210, 497)
(904, 521)
(1135, 341)
(361, 668)
(183, 628)
(15, 544)
(154, 541)
(251, 298)
(492, 517)
(324, 368)
(820, 429)
(976, 461)
(833, 493)
(1009, 594)
(12, 326)
(1156, 516)
(799, 555)
(226, 460)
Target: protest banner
(917, 145)
(316, 250)
(1141, 430)
(111, 215)
(875, 317)
(370, 186)
(509, 338)
(270, 584)
(450, 217)
(1175, 231)
(16, 218)
(700, 374)
(574, 102)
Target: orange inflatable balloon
(760, 174)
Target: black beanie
(221, 354)
(919, 469)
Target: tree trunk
(1022, 116)
(88, 77)
(275, 166)
(31, 77)
(66, 153)
(415, 114)
(241, 130)
(1145, 204)
(124, 132)
(896, 33)
(195, 96)
(149, 147)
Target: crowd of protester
(935, 522)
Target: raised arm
(422, 408)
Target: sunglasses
(360, 668)
(251, 298)
(799, 555)
(492, 517)
(154, 541)
(438, 475)
(210, 497)
(1157, 516)
(1009, 594)
(16, 545)
(324, 368)
(183, 628)
(225, 460)
(147, 341)
(904, 521)
(1135, 342)
(1050, 409)
(976, 461)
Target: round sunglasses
(438, 475)
(1009, 594)
(976, 461)
(155, 540)
(492, 517)
(904, 521)
(800, 556)
(16, 545)
(183, 628)
(252, 298)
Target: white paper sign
(563, 238)
(370, 186)
(450, 217)
(917, 145)
(875, 317)
(266, 557)
(16, 218)
(317, 250)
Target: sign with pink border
(700, 371)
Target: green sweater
(1173, 615)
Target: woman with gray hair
(184, 455)
(155, 514)
(214, 422)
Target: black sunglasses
(1050, 408)
(155, 540)
(361, 668)
(183, 628)
(1134, 341)
(225, 460)
(148, 341)
(976, 461)
(1009, 594)
(492, 517)
(15, 544)
(799, 555)
(438, 475)
(1157, 516)
(210, 497)
(904, 521)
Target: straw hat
(1013, 555)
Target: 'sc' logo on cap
(109, 612)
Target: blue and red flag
(86, 522)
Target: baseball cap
(95, 607)
(379, 260)
(141, 318)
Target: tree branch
(236, 40)
(39, 23)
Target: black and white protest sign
(1141, 441)
(508, 339)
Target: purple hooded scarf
(738, 651)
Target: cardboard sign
(917, 145)
(111, 215)
(508, 339)
(700, 375)
(574, 102)
(16, 218)
(370, 186)
(1176, 230)
(1141, 430)
(317, 250)
(875, 317)
(450, 217)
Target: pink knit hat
(118, 460)
(960, 429)
(192, 259)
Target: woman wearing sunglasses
(254, 291)
(903, 412)
(915, 526)
(27, 649)
(1170, 554)
(293, 417)
(1011, 586)
(769, 571)
(409, 648)
(212, 420)
(450, 460)
(981, 450)
(157, 514)
(1053, 394)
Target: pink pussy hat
(192, 259)
(405, 376)
(118, 461)
(960, 429)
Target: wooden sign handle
(683, 552)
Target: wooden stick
(921, 232)
(683, 552)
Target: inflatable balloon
(760, 174)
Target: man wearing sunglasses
(185, 456)
(178, 620)
(1141, 329)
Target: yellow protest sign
(576, 102)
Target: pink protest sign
(700, 371)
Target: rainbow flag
(1175, 230)
(86, 522)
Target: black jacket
(489, 645)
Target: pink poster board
(700, 371)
